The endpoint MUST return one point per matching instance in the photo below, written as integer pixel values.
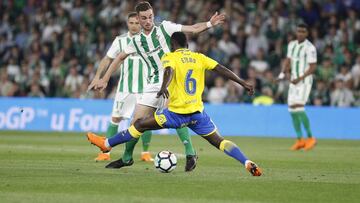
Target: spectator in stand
(254, 42)
(241, 38)
(318, 42)
(341, 96)
(266, 97)
(310, 13)
(73, 80)
(49, 29)
(54, 36)
(273, 33)
(35, 91)
(5, 84)
(227, 46)
(23, 77)
(355, 73)
(234, 92)
(215, 52)
(320, 96)
(326, 72)
(253, 77)
(345, 76)
(13, 68)
(259, 63)
(269, 81)
(217, 94)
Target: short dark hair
(179, 38)
(142, 6)
(303, 25)
(131, 14)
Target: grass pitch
(59, 167)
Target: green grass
(59, 167)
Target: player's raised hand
(217, 19)
(164, 93)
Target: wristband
(208, 24)
(281, 75)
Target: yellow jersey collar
(182, 49)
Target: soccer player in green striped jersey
(151, 44)
(301, 61)
(130, 87)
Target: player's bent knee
(214, 139)
(139, 125)
(133, 121)
(145, 124)
(116, 119)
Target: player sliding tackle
(183, 84)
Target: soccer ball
(165, 161)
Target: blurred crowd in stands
(53, 48)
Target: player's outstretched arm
(216, 19)
(223, 71)
(102, 84)
(104, 63)
(168, 75)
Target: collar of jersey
(146, 35)
(301, 42)
(182, 49)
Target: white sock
(247, 161)
(107, 143)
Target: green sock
(146, 138)
(296, 123)
(129, 149)
(184, 136)
(305, 121)
(112, 130)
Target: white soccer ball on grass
(165, 161)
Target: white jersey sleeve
(130, 48)
(311, 53)
(171, 27)
(115, 48)
(289, 48)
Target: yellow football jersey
(188, 82)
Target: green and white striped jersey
(151, 48)
(133, 70)
(301, 55)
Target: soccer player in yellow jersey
(183, 85)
